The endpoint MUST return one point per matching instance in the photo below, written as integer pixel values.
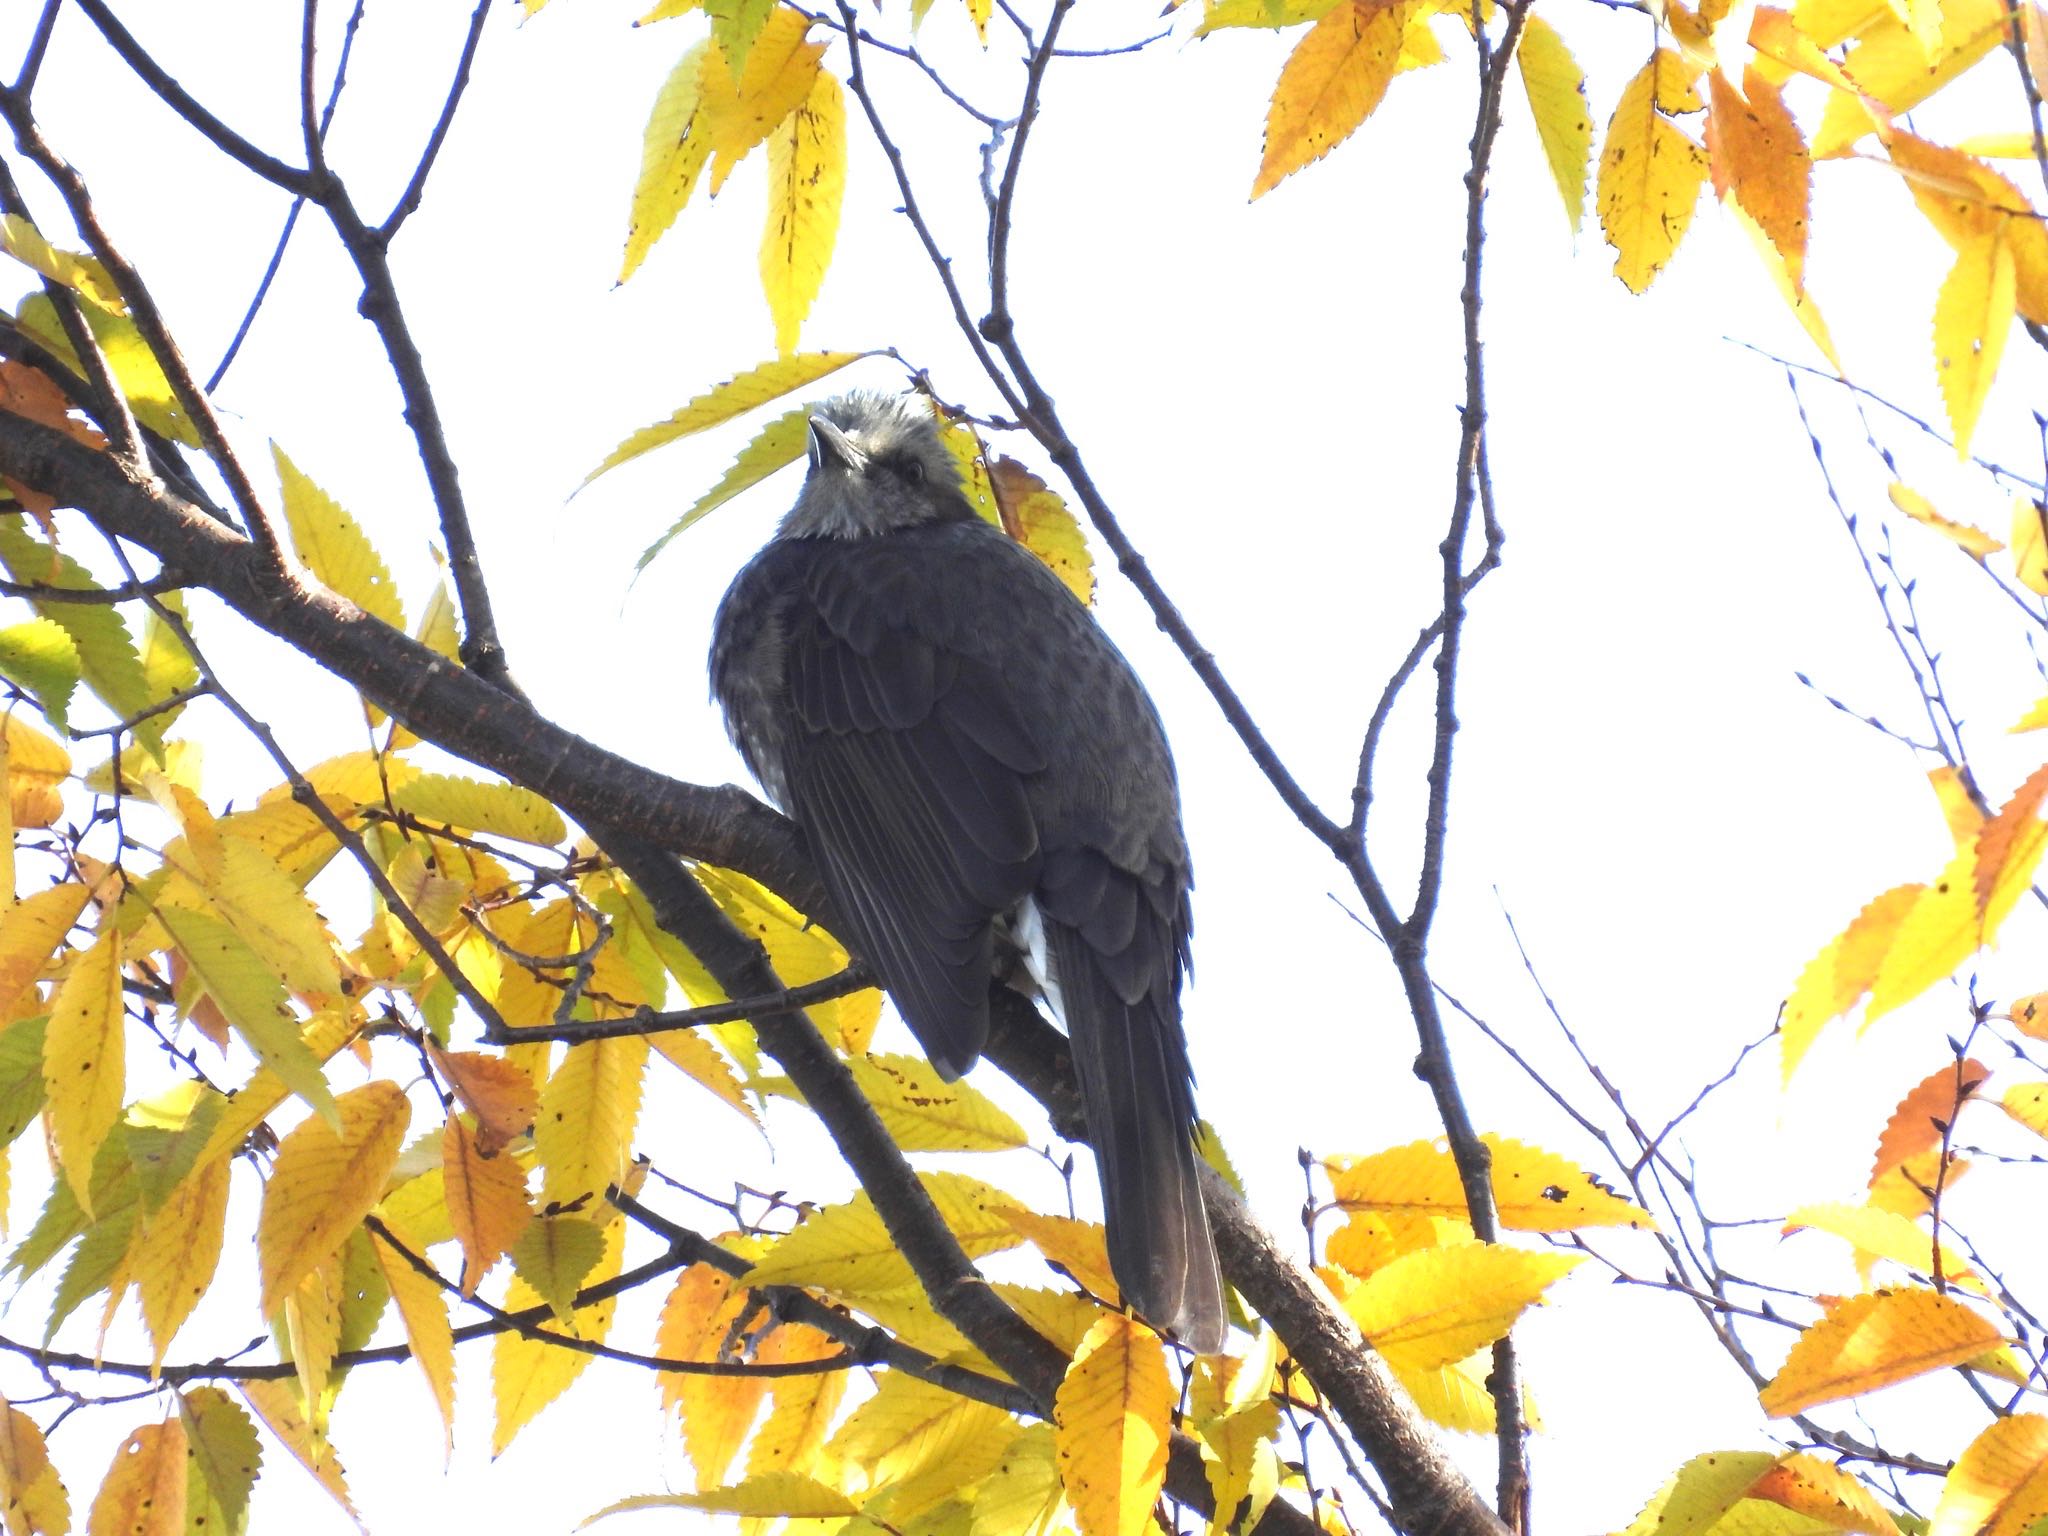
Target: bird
(978, 772)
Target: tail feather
(1137, 1086)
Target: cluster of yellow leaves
(1727, 69)
(755, 79)
(1915, 935)
(1429, 1297)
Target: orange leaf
(1821, 1490)
(144, 1492)
(323, 1184)
(486, 1200)
(1757, 154)
(32, 1497)
(1915, 1125)
(499, 1094)
(1871, 1341)
(698, 1322)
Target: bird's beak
(830, 447)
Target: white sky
(1266, 394)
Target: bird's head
(877, 465)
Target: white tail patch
(1025, 928)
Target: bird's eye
(913, 471)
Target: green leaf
(106, 650)
(21, 1076)
(735, 397)
(553, 1254)
(40, 657)
(222, 1458)
(734, 26)
(779, 443)
(252, 998)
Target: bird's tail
(1136, 1083)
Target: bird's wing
(907, 773)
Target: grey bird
(974, 764)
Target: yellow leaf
(1823, 1491)
(144, 1491)
(1078, 1247)
(1758, 156)
(21, 240)
(178, 1250)
(528, 1374)
(673, 151)
(1650, 177)
(1840, 974)
(2028, 1104)
(1556, 88)
(1865, 1342)
(735, 397)
(424, 1311)
(587, 1114)
(322, 1184)
(333, 546)
(1242, 1468)
(1999, 1485)
(1022, 1495)
(1700, 1493)
(927, 1114)
(799, 950)
(1879, 1234)
(846, 1249)
(2030, 544)
(1111, 1426)
(1890, 65)
(1330, 84)
(85, 1060)
(1963, 910)
(32, 1497)
(772, 1495)
(1801, 302)
(325, 1034)
(30, 931)
(1429, 1309)
(697, 1323)
(1974, 541)
(1534, 1190)
(276, 1404)
(1455, 1395)
(1972, 317)
(801, 1408)
(1958, 807)
(924, 1443)
(1032, 513)
(223, 1458)
(309, 1318)
(266, 907)
(806, 185)
(249, 994)
(36, 765)
(505, 810)
(737, 114)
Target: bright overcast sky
(1266, 394)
